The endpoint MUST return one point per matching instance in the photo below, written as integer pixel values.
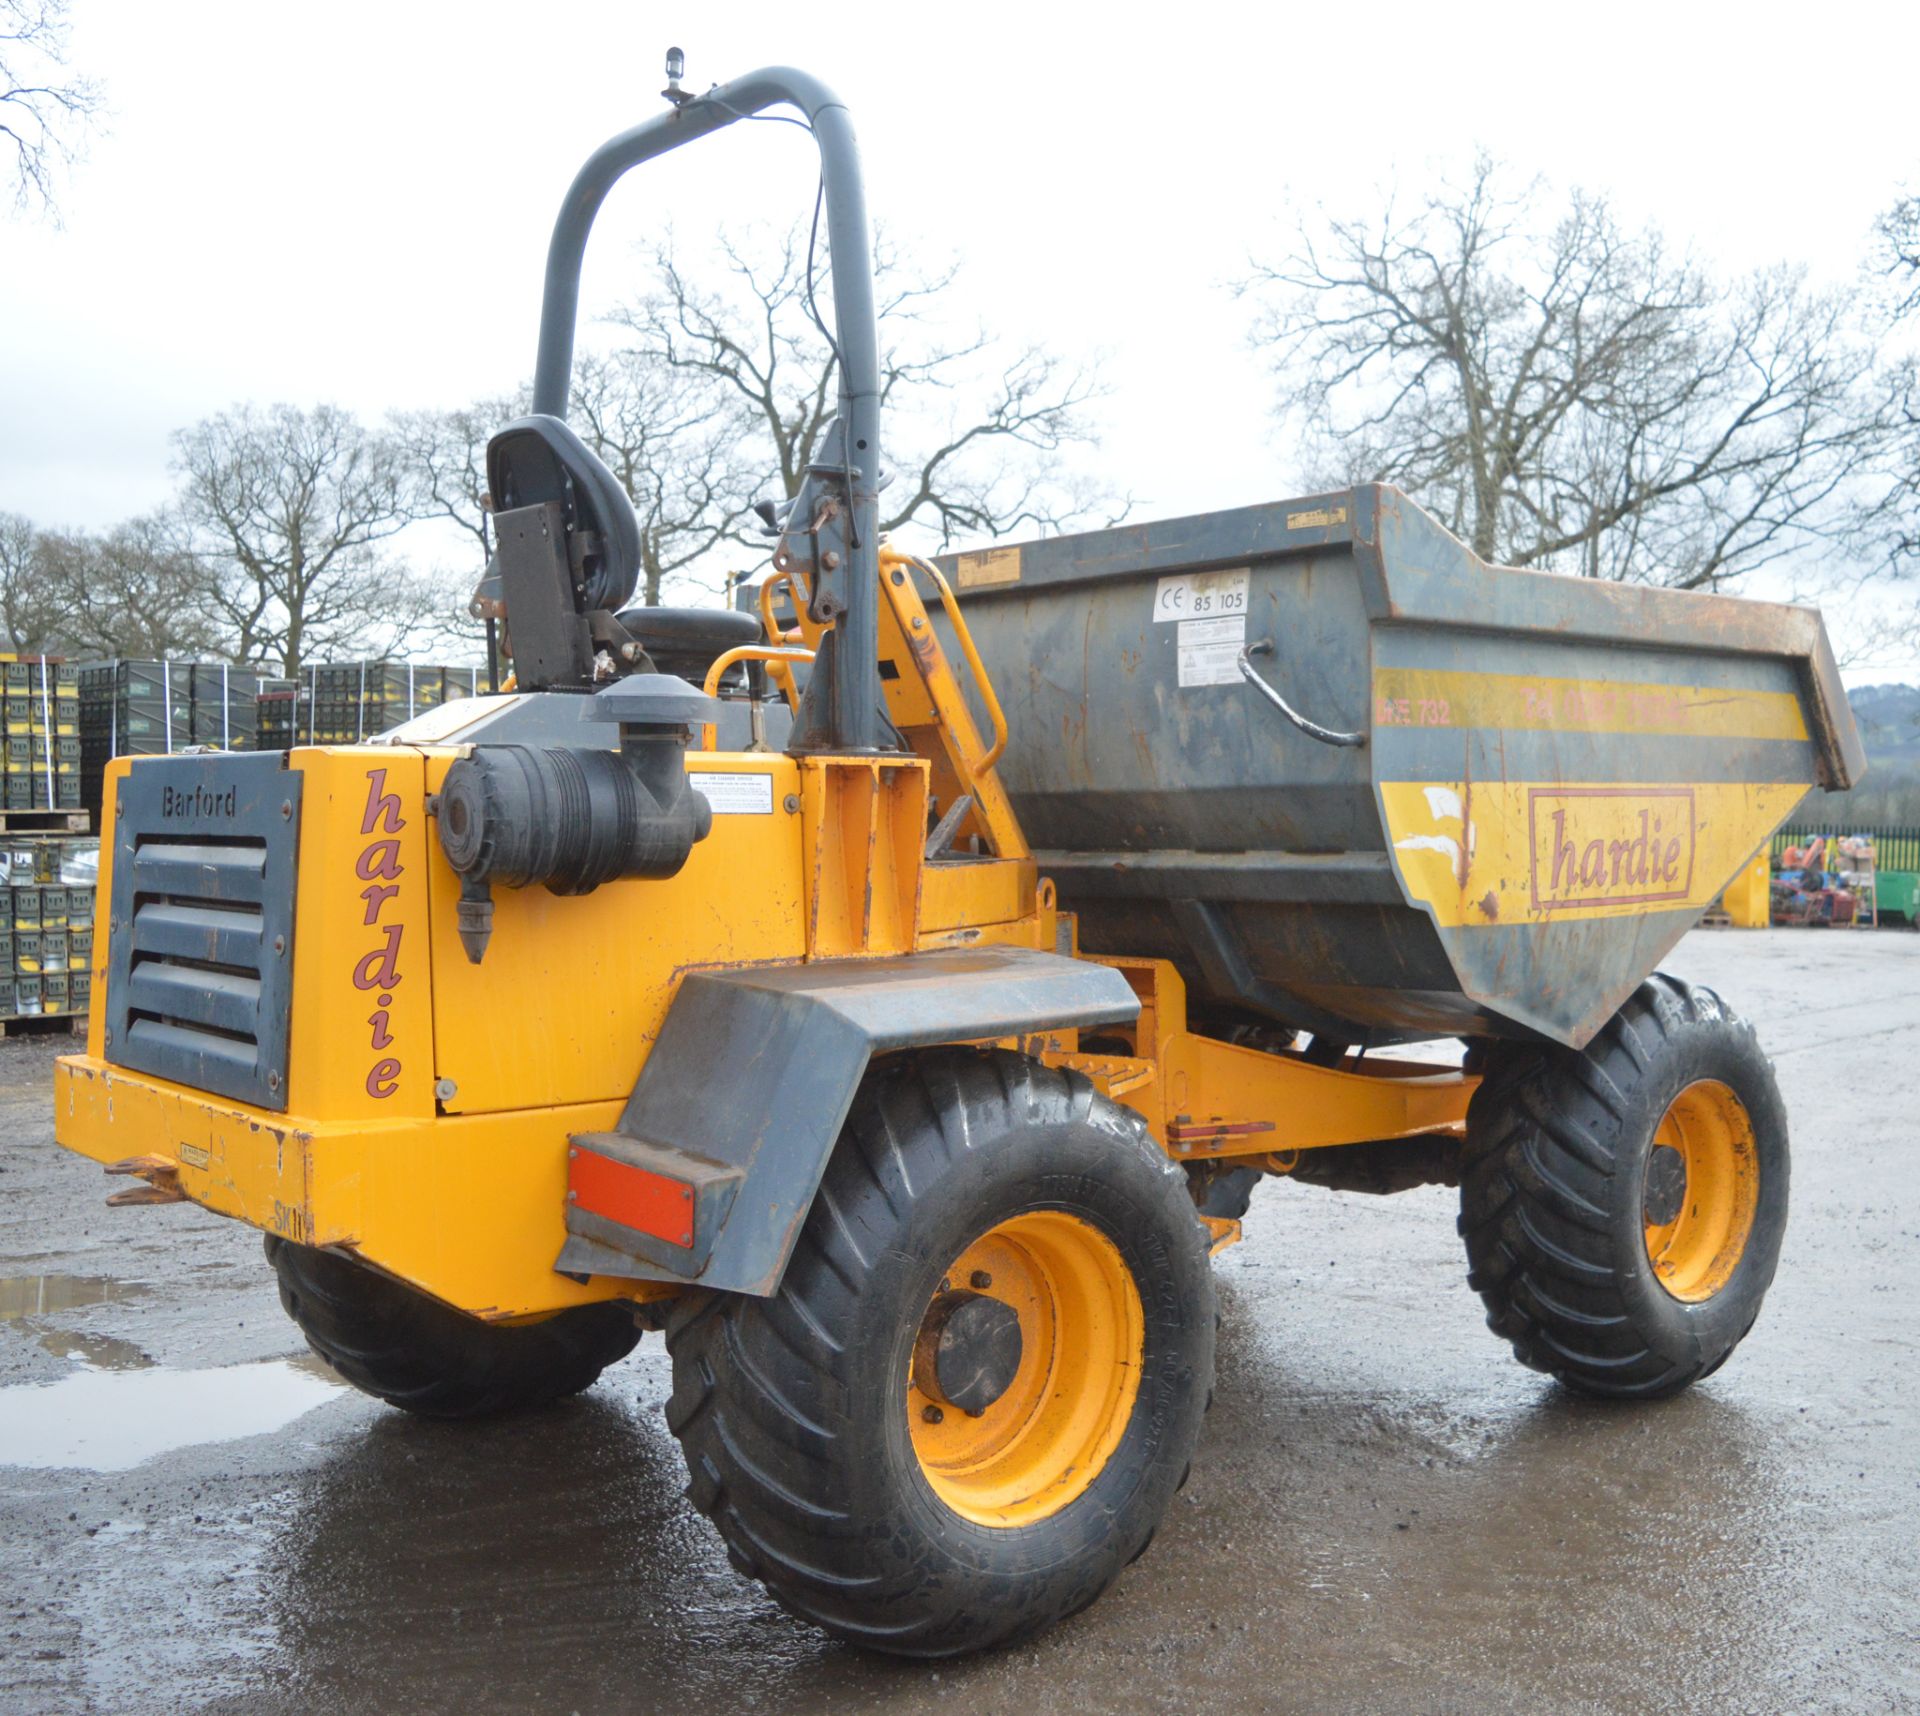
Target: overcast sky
(351, 202)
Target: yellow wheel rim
(1031, 1451)
(1703, 1183)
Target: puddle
(35, 1295)
(112, 1420)
(25, 1298)
(103, 1352)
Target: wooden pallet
(44, 1025)
(46, 822)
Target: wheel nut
(932, 1414)
(981, 1280)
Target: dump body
(1555, 775)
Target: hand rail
(779, 658)
(768, 586)
(981, 679)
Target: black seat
(535, 460)
(687, 640)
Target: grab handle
(1312, 729)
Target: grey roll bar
(853, 717)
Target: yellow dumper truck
(898, 1003)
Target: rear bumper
(468, 1208)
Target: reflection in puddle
(35, 1295)
(109, 1421)
(26, 1298)
(103, 1352)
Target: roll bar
(851, 680)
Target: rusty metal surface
(1144, 795)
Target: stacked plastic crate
(41, 721)
(46, 941)
(154, 708)
(341, 703)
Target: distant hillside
(1889, 796)
(1889, 718)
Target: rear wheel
(982, 1378)
(1623, 1206)
(413, 1352)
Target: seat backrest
(538, 459)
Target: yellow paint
(1695, 1254)
(573, 990)
(469, 1209)
(1749, 896)
(1038, 1447)
(863, 823)
(1437, 697)
(1190, 1089)
(988, 891)
(1317, 518)
(361, 1049)
(1479, 853)
(462, 1193)
(989, 566)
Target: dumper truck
(894, 993)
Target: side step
(651, 1201)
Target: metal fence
(1893, 848)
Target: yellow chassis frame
(441, 1157)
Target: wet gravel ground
(1387, 1514)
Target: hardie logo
(1610, 846)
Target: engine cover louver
(200, 941)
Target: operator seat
(537, 459)
(687, 641)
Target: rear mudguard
(720, 1150)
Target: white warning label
(1210, 650)
(735, 795)
(1200, 595)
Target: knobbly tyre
(904, 1057)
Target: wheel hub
(1025, 1368)
(1702, 1189)
(1666, 1185)
(968, 1352)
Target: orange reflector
(646, 1202)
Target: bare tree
(287, 512)
(1566, 394)
(1891, 519)
(135, 591)
(45, 110)
(442, 460)
(677, 450)
(1897, 253)
(977, 432)
(31, 614)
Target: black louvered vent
(201, 955)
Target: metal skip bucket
(1505, 796)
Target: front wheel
(393, 1342)
(1623, 1206)
(982, 1378)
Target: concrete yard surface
(1387, 1513)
